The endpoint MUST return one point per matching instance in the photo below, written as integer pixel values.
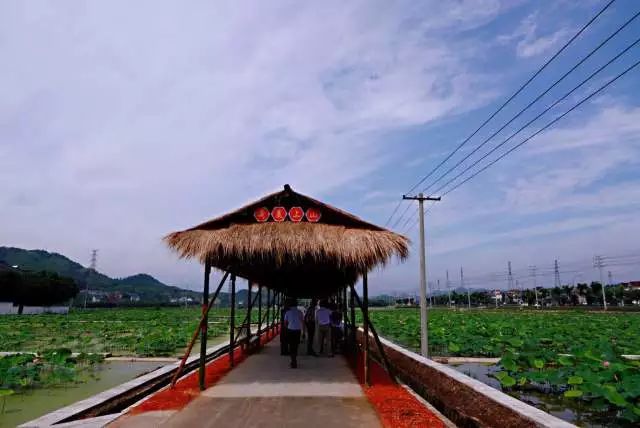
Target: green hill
(143, 286)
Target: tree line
(35, 288)
(566, 295)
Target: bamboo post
(378, 343)
(249, 305)
(203, 325)
(232, 320)
(259, 310)
(344, 317)
(365, 317)
(196, 332)
(268, 309)
(352, 305)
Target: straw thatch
(328, 254)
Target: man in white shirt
(323, 318)
(294, 325)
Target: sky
(121, 122)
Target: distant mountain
(143, 286)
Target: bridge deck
(264, 392)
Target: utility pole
(556, 270)
(424, 312)
(92, 269)
(533, 270)
(463, 287)
(598, 262)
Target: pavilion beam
(196, 332)
(203, 325)
(383, 354)
(365, 317)
(232, 320)
(243, 323)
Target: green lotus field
(574, 354)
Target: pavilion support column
(268, 309)
(352, 332)
(259, 310)
(344, 317)
(203, 325)
(232, 320)
(365, 317)
(249, 305)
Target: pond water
(26, 406)
(575, 411)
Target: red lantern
(296, 214)
(313, 215)
(279, 214)
(261, 214)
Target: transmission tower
(610, 278)
(463, 287)
(449, 287)
(598, 262)
(509, 276)
(92, 269)
(556, 271)
(533, 271)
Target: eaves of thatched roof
(323, 255)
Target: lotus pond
(572, 357)
(143, 332)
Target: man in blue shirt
(294, 325)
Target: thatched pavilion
(291, 244)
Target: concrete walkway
(264, 392)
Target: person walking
(310, 324)
(323, 318)
(294, 325)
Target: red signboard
(279, 214)
(313, 215)
(261, 214)
(296, 214)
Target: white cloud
(120, 122)
(530, 43)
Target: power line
(524, 85)
(553, 122)
(544, 66)
(546, 91)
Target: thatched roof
(327, 254)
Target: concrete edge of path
(529, 413)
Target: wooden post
(268, 309)
(232, 320)
(192, 342)
(365, 318)
(249, 304)
(259, 310)
(352, 305)
(383, 354)
(344, 317)
(203, 325)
